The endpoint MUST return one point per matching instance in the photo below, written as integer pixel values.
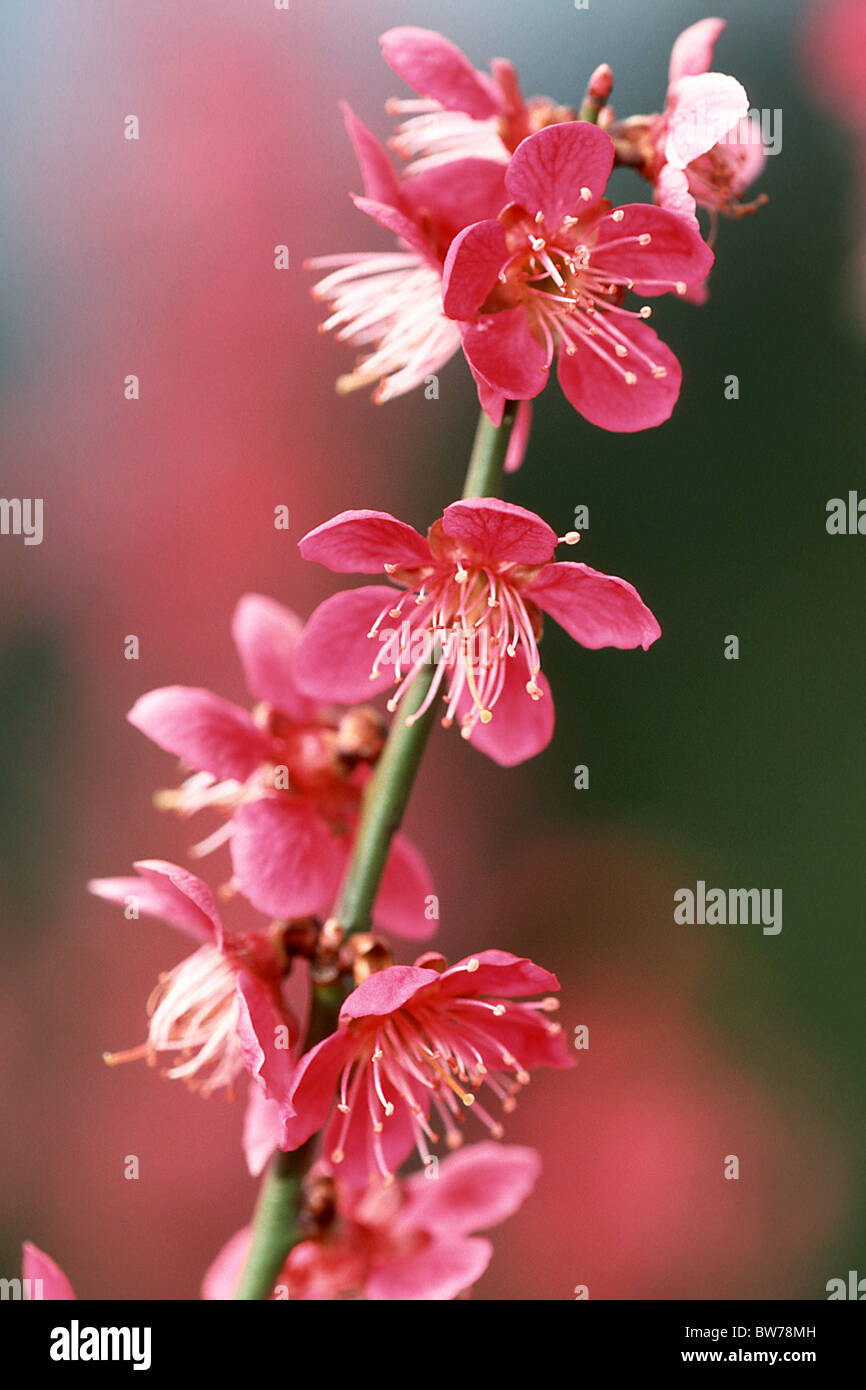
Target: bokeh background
(156, 258)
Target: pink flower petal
(472, 266)
(744, 150)
(364, 1151)
(435, 1273)
(519, 440)
(266, 634)
(675, 252)
(364, 542)
(499, 532)
(435, 68)
(393, 220)
(498, 972)
(700, 111)
(386, 991)
(597, 610)
(672, 193)
(597, 387)
(492, 402)
(170, 893)
(285, 858)
(314, 1088)
(37, 1265)
(521, 727)
(209, 733)
(692, 52)
(477, 1188)
(404, 893)
(381, 184)
(258, 1021)
(501, 349)
(550, 170)
(263, 1130)
(450, 196)
(533, 1042)
(335, 655)
(221, 1278)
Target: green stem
(275, 1224)
(486, 465)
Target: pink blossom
(220, 1012)
(459, 111)
(834, 48)
(704, 149)
(548, 277)
(474, 592)
(391, 302)
(410, 1241)
(45, 1278)
(413, 1039)
(284, 775)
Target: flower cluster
(509, 249)
(506, 243)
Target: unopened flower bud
(361, 735)
(364, 955)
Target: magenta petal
(393, 220)
(550, 170)
(209, 733)
(501, 349)
(597, 386)
(381, 184)
(497, 531)
(672, 193)
(37, 1265)
(744, 149)
(521, 727)
(285, 858)
(386, 991)
(692, 52)
(266, 634)
(516, 451)
(675, 252)
(597, 610)
(263, 1129)
(700, 111)
(314, 1088)
(364, 542)
(168, 892)
(476, 1189)
(435, 1273)
(258, 1021)
(363, 1149)
(221, 1277)
(336, 655)
(492, 402)
(451, 195)
(475, 258)
(498, 972)
(532, 1040)
(404, 894)
(436, 68)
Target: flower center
(469, 619)
(440, 1053)
(572, 301)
